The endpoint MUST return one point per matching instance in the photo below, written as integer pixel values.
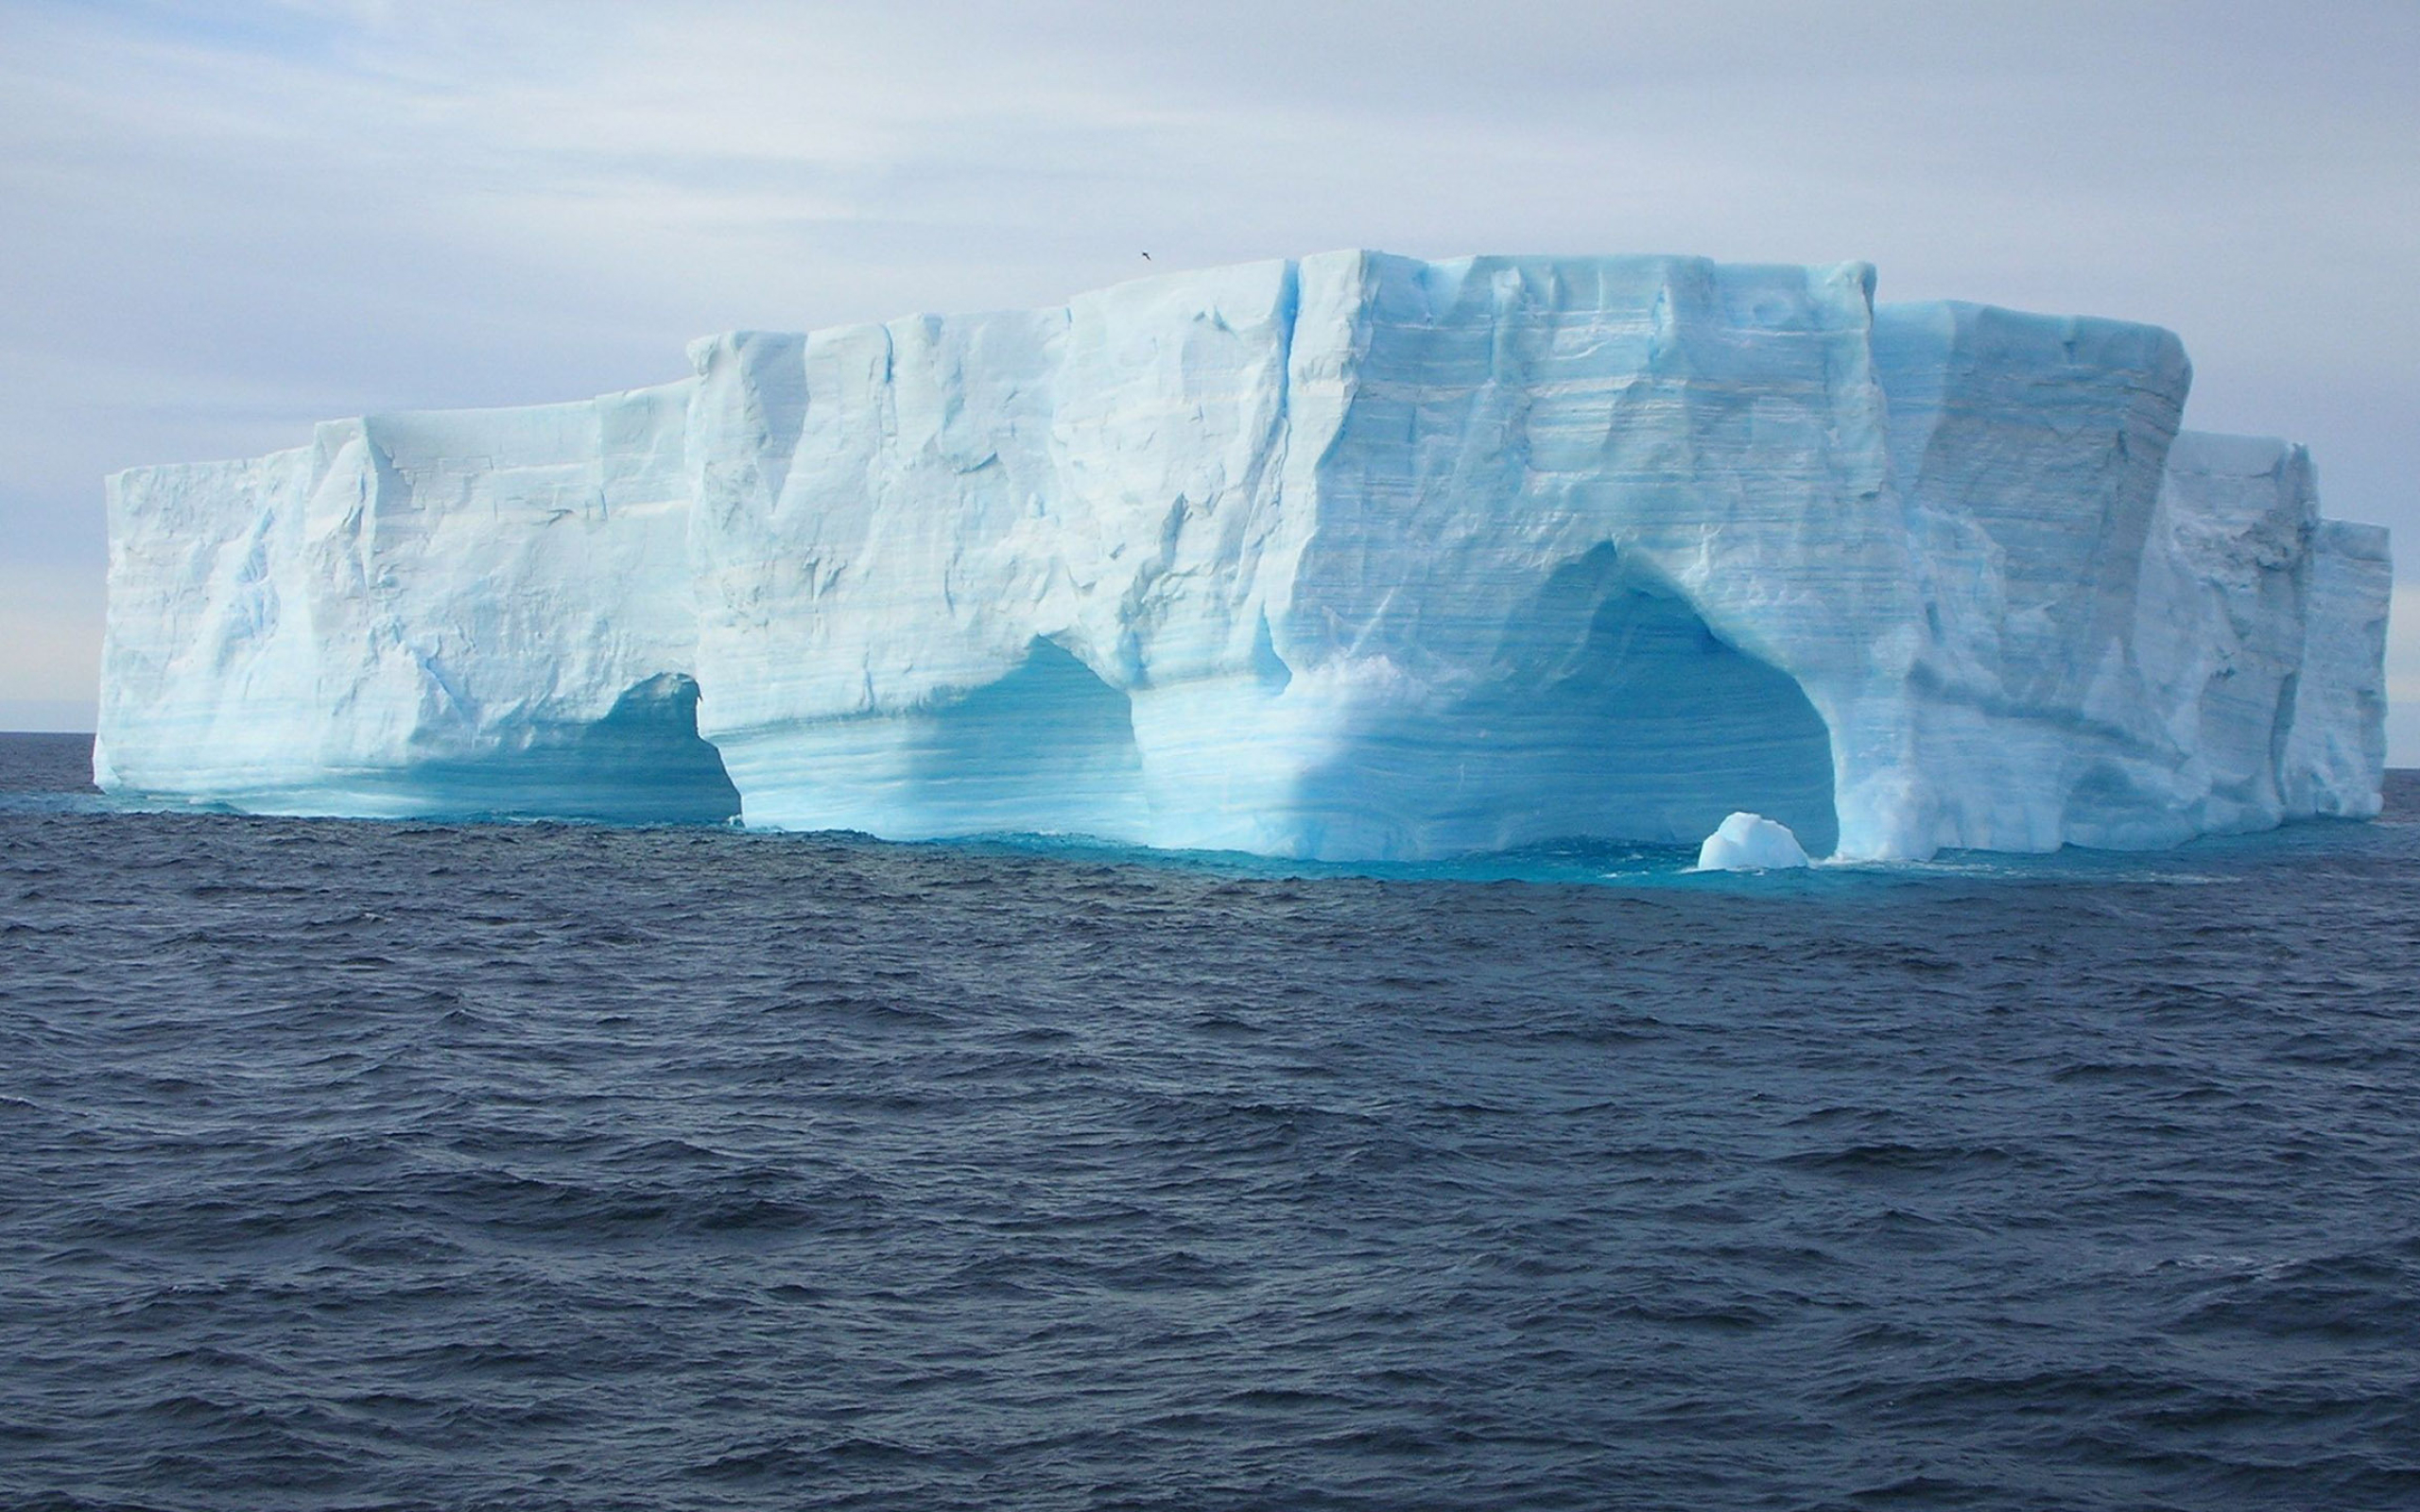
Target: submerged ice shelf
(1355, 557)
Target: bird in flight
(1147, 257)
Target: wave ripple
(547, 1166)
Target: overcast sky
(224, 222)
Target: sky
(223, 222)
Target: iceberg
(1356, 558)
(1749, 842)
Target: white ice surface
(1749, 842)
(1356, 558)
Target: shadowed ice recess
(1355, 559)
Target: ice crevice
(1354, 557)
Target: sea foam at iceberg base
(1352, 558)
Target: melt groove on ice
(1353, 557)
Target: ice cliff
(1357, 557)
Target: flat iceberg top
(1602, 280)
(1353, 557)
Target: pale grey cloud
(227, 221)
(51, 625)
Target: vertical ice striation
(1359, 556)
(2028, 452)
(2276, 622)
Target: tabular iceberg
(1357, 557)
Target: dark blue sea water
(410, 1165)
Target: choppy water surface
(348, 1164)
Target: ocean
(401, 1164)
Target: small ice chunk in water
(1749, 842)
